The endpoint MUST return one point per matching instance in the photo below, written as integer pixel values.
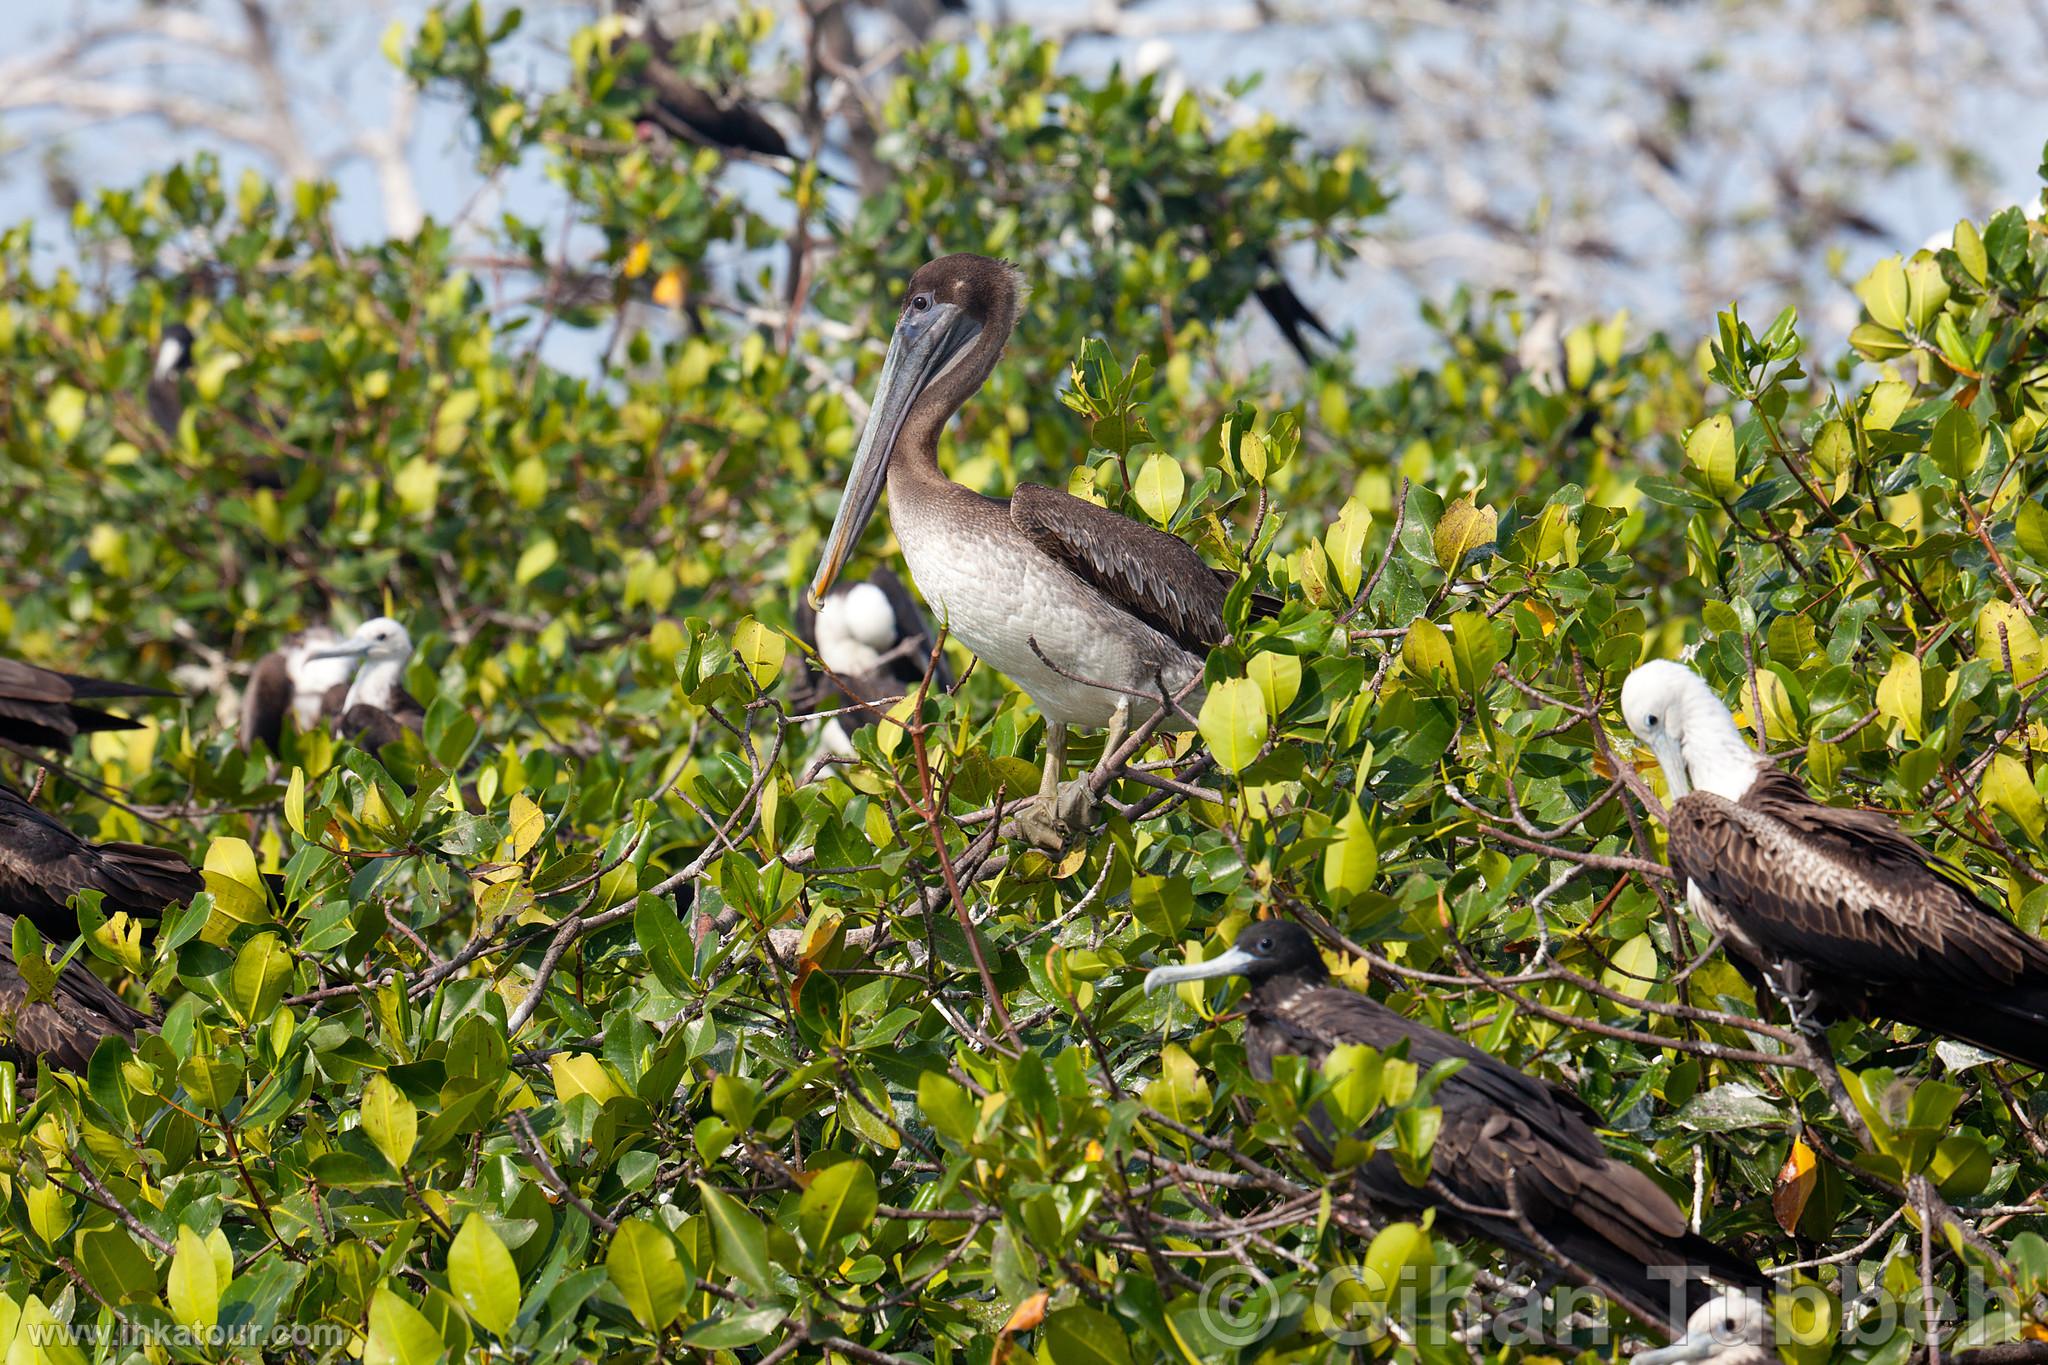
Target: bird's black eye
(1650, 721)
(920, 302)
(1265, 945)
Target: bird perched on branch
(43, 864)
(1834, 910)
(1516, 1160)
(1729, 1329)
(377, 710)
(299, 681)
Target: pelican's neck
(1717, 758)
(376, 684)
(917, 444)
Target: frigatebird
(45, 709)
(1834, 910)
(43, 864)
(684, 109)
(872, 645)
(1089, 612)
(1732, 1328)
(66, 1028)
(297, 681)
(377, 709)
(1516, 1156)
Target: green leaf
(1279, 680)
(839, 1201)
(2030, 529)
(1633, 970)
(231, 875)
(482, 1276)
(1233, 722)
(1969, 249)
(741, 1241)
(1400, 1253)
(1710, 450)
(946, 1104)
(389, 1120)
(1181, 1092)
(1080, 1335)
(1957, 447)
(399, 1333)
(646, 1271)
(257, 983)
(1159, 487)
(114, 1265)
(1926, 290)
(65, 407)
(1352, 859)
(295, 802)
(193, 1288)
(2004, 629)
(1475, 649)
(536, 559)
(1345, 544)
(2007, 787)
(1426, 653)
(528, 824)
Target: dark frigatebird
(1834, 910)
(297, 681)
(872, 645)
(684, 109)
(377, 709)
(43, 864)
(67, 1027)
(1517, 1156)
(1732, 1328)
(1089, 612)
(46, 709)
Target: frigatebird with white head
(1732, 1328)
(1089, 612)
(1835, 910)
(377, 710)
(300, 681)
(1514, 1154)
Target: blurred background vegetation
(597, 1032)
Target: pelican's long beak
(925, 343)
(1671, 758)
(1692, 1346)
(347, 649)
(1233, 962)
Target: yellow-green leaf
(65, 407)
(389, 1120)
(527, 824)
(1710, 449)
(579, 1073)
(1159, 486)
(1883, 292)
(255, 986)
(1969, 248)
(536, 559)
(2002, 627)
(1351, 860)
(1899, 696)
(1279, 680)
(399, 1333)
(418, 485)
(840, 1200)
(759, 649)
(1426, 652)
(1181, 1092)
(1462, 529)
(740, 1241)
(482, 1275)
(230, 874)
(193, 1287)
(1233, 722)
(1926, 290)
(646, 1271)
(1632, 970)
(1957, 447)
(2007, 787)
(1344, 543)
(295, 802)
(2030, 529)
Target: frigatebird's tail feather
(105, 687)
(143, 880)
(2012, 1022)
(1289, 311)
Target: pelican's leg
(1077, 798)
(1039, 818)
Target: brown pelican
(296, 681)
(1731, 1328)
(1836, 910)
(1089, 612)
(167, 377)
(43, 865)
(873, 645)
(377, 709)
(64, 1029)
(44, 709)
(1509, 1145)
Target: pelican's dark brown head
(957, 315)
(1266, 950)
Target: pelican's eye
(920, 302)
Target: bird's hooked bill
(925, 343)
(1231, 962)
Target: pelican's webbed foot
(1052, 823)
